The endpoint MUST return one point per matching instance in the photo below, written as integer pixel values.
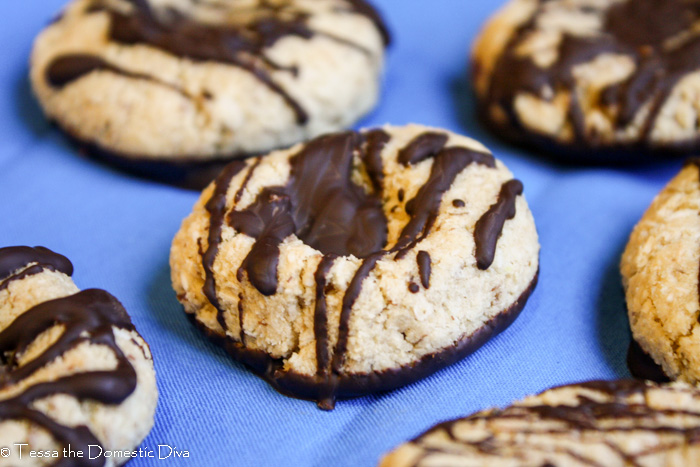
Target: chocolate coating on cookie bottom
(189, 172)
(315, 388)
(642, 366)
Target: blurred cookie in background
(170, 88)
(592, 81)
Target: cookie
(75, 374)
(592, 80)
(357, 262)
(660, 274)
(618, 423)
(166, 86)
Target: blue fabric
(117, 231)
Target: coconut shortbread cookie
(593, 80)
(357, 262)
(600, 423)
(181, 82)
(660, 275)
(74, 371)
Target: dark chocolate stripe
(374, 142)
(216, 207)
(269, 221)
(87, 316)
(345, 42)
(364, 8)
(321, 316)
(17, 257)
(66, 69)
(246, 180)
(489, 227)
(423, 259)
(422, 147)
(241, 332)
(351, 295)
(30, 271)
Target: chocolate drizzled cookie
(184, 82)
(325, 267)
(69, 355)
(599, 423)
(590, 81)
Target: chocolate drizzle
(423, 259)
(320, 204)
(349, 299)
(323, 207)
(320, 315)
(68, 68)
(269, 221)
(620, 409)
(489, 227)
(88, 316)
(241, 45)
(241, 333)
(216, 207)
(375, 140)
(364, 8)
(656, 34)
(14, 259)
(422, 147)
(447, 164)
